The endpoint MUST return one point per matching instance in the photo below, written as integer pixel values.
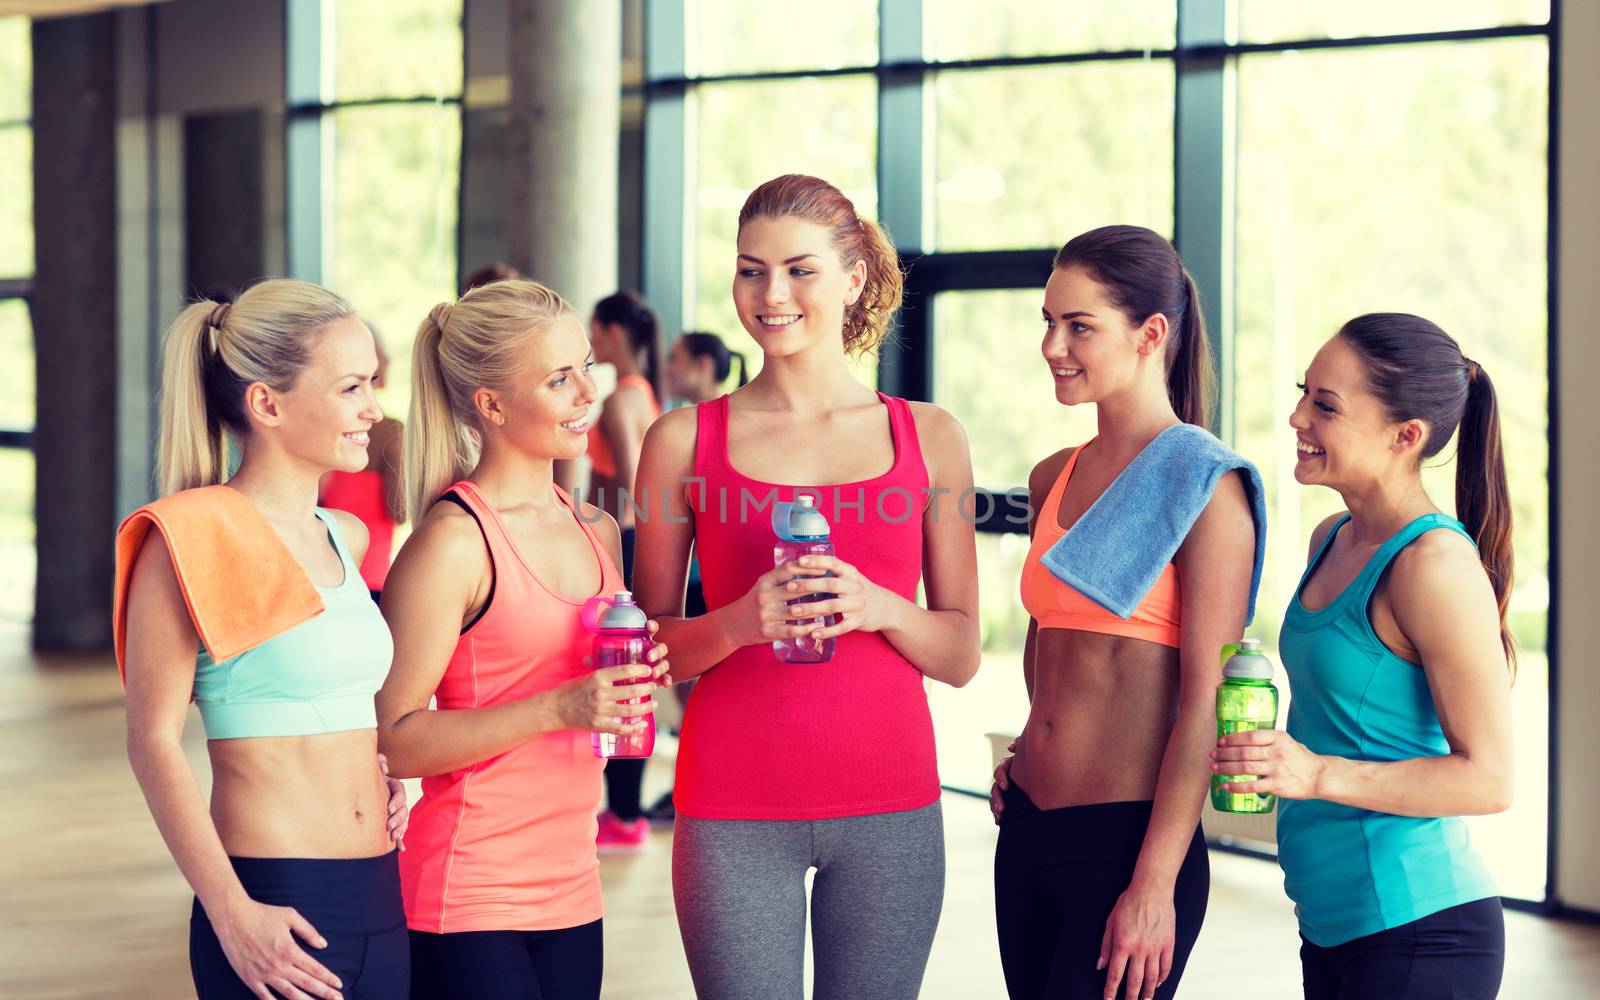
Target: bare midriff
(300, 796)
(1102, 713)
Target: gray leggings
(740, 890)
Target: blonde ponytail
(213, 352)
(438, 450)
(191, 450)
(477, 342)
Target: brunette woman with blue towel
(1137, 575)
(1397, 652)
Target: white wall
(1577, 490)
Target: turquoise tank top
(1353, 872)
(318, 677)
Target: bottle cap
(1249, 663)
(622, 613)
(792, 522)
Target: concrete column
(1575, 548)
(562, 144)
(225, 180)
(75, 325)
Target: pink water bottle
(621, 637)
(802, 531)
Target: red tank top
(508, 843)
(361, 494)
(769, 740)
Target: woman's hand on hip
(1002, 781)
(259, 942)
(399, 814)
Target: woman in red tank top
(786, 767)
(376, 494)
(500, 879)
(626, 334)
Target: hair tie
(440, 315)
(219, 316)
(1473, 369)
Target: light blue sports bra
(318, 677)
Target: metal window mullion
(1203, 189)
(307, 139)
(669, 168)
(905, 176)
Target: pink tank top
(769, 740)
(508, 843)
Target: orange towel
(241, 583)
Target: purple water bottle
(802, 531)
(621, 637)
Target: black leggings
(507, 965)
(625, 775)
(1057, 876)
(355, 904)
(1454, 954)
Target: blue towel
(1115, 552)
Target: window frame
(308, 134)
(1206, 58)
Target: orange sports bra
(601, 458)
(1056, 605)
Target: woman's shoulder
(351, 529)
(674, 431)
(1044, 473)
(1441, 558)
(1320, 533)
(937, 427)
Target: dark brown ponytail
(1143, 275)
(1483, 494)
(629, 310)
(1418, 372)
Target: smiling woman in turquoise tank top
(1397, 652)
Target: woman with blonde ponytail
(294, 868)
(837, 771)
(501, 882)
(1397, 649)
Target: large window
(1405, 178)
(828, 129)
(17, 556)
(390, 114)
(1312, 160)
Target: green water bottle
(1246, 700)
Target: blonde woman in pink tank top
(500, 880)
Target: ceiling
(61, 8)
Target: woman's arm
(622, 420)
(258, 940)
(940, 640)
(442, 574)
(1214, 571)
(1444, 606)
